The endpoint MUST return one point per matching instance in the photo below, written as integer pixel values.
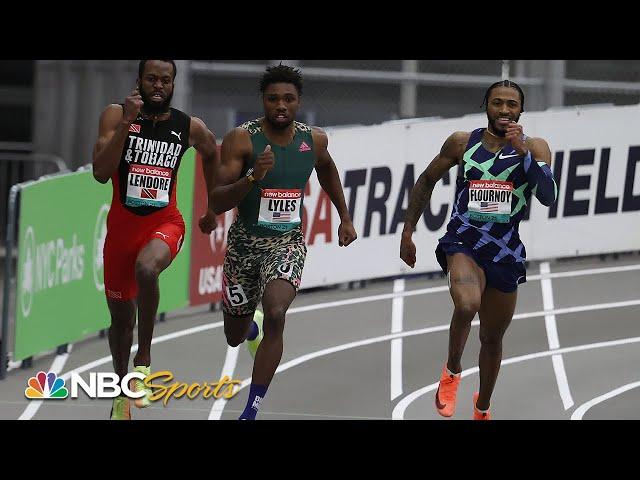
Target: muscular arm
(112, 134)
(330, 183)
(230, 189)
(204, 141)
(328, 173)
(537, 166)
(449, 156)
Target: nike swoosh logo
(502, 157)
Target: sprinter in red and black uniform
(139, 147)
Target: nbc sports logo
(45, 386)
(101, 385)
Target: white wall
(579, 136)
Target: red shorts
(124, 242)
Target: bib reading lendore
(148, 170)
(274, 205)
(492, 193)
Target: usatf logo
(46, 386)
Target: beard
(497, 130)
(153, 108)
(277, 125)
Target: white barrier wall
(595, 153)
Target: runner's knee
(123, 315)
(146, 272)
(236, 329)
(274, 316)
(234, 338)
(122, 322)
(491, 336)
(467, 307)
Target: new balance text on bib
(490, 200)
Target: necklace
(154, 116)
(493, 134)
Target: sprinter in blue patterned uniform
(500, 168)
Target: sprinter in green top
(274, 205)
(265, 165)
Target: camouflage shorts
(251, 262)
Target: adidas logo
(304, 147)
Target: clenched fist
(264, 163)
(132, 105)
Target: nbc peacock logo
(46, 386)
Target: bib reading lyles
(280, 208)
(490, 200)
(148, 186)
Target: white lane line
(33, 407)
(397, 312)
(581, 308)
(582, 409)
(371, 298)
(590, 271)
(552, 335)
(398, 411)
(56, 366)
(229, 367)
(369, 341)
(547, 304)
(445, 288)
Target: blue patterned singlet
(491, 195)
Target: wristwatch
(250, 176)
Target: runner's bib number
(148, 186)
(280, 208)
(490, 200)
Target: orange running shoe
(477, 414)
(446, 393)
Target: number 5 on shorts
(236, 295)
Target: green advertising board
(60, 284)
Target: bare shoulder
(318, 131)
(200, 136)
(238, 134)
(197, 130)
(238, 140)
(460, 138)
(112, 114)
(455, 144)
(319, 137)
(538, 146)
(198, 124)
(198, 127)
(113, 108)
(533, 142)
